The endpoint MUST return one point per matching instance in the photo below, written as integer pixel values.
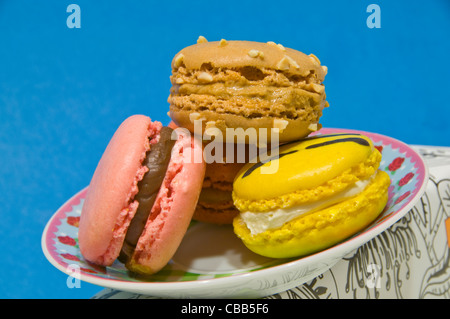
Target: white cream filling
(258, 222)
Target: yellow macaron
(309, 195)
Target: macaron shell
(173, 208)
(231, 54)
(300, 174)
(216, 214)
(108, 207)
(321, 229)
(302, 165)
(215, 204)
(295, 129)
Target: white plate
(213, 263)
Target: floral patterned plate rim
(202, 268)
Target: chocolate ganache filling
(157, 160)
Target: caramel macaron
(215, 204)
(245, 84)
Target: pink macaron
(142, 196)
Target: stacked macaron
(244, 84)
(241, 85)
(215, 204)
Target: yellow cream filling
(258, 222)
(321, 228)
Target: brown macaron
(223, 162)
(215, 204)
(244, 84)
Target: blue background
(63, 92)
